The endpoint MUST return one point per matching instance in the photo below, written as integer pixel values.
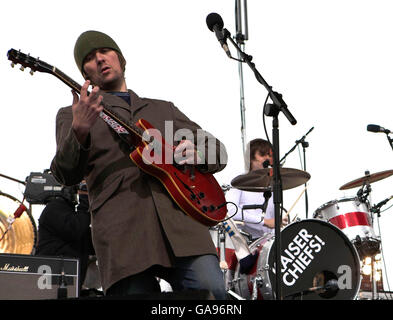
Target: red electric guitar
(197, 194)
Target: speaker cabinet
(27, 277)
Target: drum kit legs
(321, 258)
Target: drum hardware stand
(363, 195)
(305, 145)
(257, 282)
(247, 236)
(365, 190)
(222, 246)
(221, 243)
(374, 293)
(223, 264)
(376, 209)
(235, 295)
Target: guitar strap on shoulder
(117, 127)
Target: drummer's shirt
(252, 218)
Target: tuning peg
(12, 64)
(31, 71)
(22, 68)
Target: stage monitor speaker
(27, 277)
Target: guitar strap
(117, 127)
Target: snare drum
(313, 253)
(354, 219)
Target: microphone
(376, 128)
(18, 212)
(215, 24)
(266, 164)
(331, 286)
(11, 219)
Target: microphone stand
(390, 140)
(13, 179)
(304, 145)
(240, 38)
(272, 110)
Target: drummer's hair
(261, 146)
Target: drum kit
(321, 258)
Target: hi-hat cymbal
(262, 180)
(368, 178)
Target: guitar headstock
(27, 61)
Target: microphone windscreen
(214, 19)
(373, 128)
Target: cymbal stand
(221, 244)
(374, 291)
(222, 256)
(363, 195)
(376, 209)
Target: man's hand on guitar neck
(85, 111)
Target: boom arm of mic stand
(390, 140)
(275, 96)
(296, 144)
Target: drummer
(258, 155)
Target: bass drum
(22, 236)
(314, 254)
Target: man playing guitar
(139, 231)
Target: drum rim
(335, 201)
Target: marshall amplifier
(26, 277)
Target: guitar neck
(38, 65)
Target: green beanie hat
(89, 41)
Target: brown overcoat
(135, 224)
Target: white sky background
(331, 60)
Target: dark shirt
(124, 95)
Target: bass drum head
(316, 253)
(22, 237)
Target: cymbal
(370, 178)
(261, 180)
